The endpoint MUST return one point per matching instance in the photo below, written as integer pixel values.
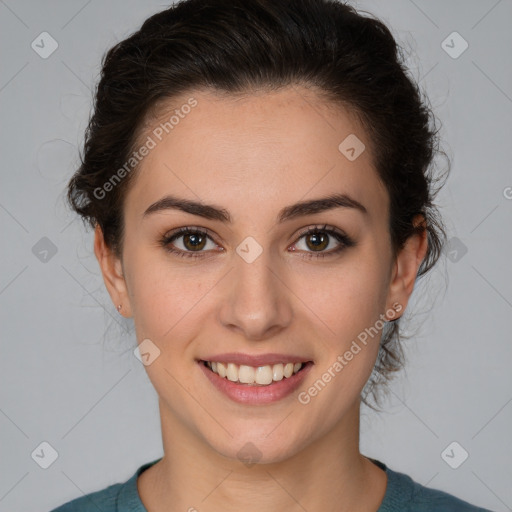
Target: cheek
(347, 299)
(349, 310)
(164, 296)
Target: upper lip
(256, 360)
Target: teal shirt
(402, 495)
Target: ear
(406, 268)
(112, 270)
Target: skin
(252, 156)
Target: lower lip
(254, 395)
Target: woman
(258, 177)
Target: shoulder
(120, 497)
(403, 494)
(104, 500)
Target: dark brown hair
(239, 46)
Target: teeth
(246, 374)
(261, 375)
(221, 369)
(278, 372)
(232, 372)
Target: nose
(257, 300)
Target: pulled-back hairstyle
(239, 46)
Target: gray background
(68, 373)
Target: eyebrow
(293, 211)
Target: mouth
(255, 385)
(254, 375)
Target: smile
(256, 376)
(255, 385)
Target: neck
(328, 474)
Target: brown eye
(188, 242)
(194, 241)
(317, 241)
(318, 238)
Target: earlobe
(112, 271)
(406, 266)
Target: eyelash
(345, 241)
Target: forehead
(255, 152)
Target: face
(251, 281)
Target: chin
(249, 453)
(257, 446)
